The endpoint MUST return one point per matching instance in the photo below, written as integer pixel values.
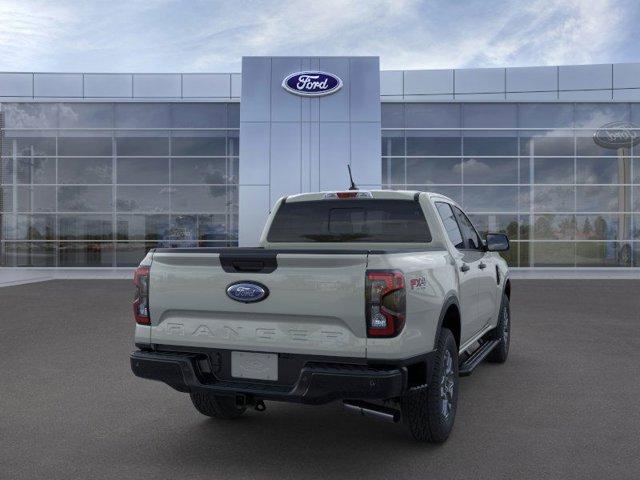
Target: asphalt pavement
(564, 406)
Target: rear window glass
(352, 220)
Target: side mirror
(496, 242)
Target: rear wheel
(216, 406)
(502, 332)
(430, 411)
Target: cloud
(174, 36)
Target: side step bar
(467, 367)
(372, 410)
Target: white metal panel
(629, 94)
(236, 85)
(255, 148)
(157, 85)
(334, 155)
(480, 97)
(586, 95)
(285, 159)
(204, 85)
(16, 84)
(532, 79)
(108, 85)
(285, 106)
(532, 96)
(364, 85)
(626, 75)
(585, 77)
(57, 85)
(253, 211)
(335, 107)
(256, 89)
(365, 154)
(479, 80)
(391, 82)
(427, 82)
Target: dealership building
(98, 168)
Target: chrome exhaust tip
(372, 410)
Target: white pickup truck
(380, 299)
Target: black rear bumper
(317, 382)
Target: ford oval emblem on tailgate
(247, 292)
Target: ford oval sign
(247, 292)
(312, 84)
(617, 135)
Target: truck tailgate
(315, 304)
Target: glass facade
(530, 170)
(99, 184)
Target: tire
(216, 406)
(502, 332)
(429, 412)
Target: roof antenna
(353, 185)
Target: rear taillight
(141, 300)
(385, 303)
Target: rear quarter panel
(430, 278)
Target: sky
(212, 36)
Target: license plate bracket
(256, 366)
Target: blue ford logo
(312, 84)
(247, 292)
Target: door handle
(482, 266)
(464, 267)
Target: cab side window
(471, 237)
(450, 224)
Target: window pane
(585, 145)
(143, 199)
(433, 143)
(204, 146)
(36, 170)
(93, 115)
(35, 227)
(393, 171)
(131, 254)
(392, 115)
(450, 224)
(79, 254)
(603, 199)
(36, 199)
(553, 170)
(38, 254)
(491, 199)
(142, 227)
(545, 115)
(546, 144)
(554, 227)
(85, 227)
(434, 170)
(432, 115)
(199, 170)
(90, 146)
(552, 254)
(6, 170)
(490, 145)
(598, 114)
(85, 170)
(603, 254)
(142, 170)
(233, 143)
(199, 199)
(490, 170)
(142, 146)
(554, 199)
(32, 146)
(392, 143)
(507, 224)
(603, 227)
(212, 227)
(142, 115)
(488, 115)
(199, 115)
(85, 199)
(6, 199)
(233, 115)
(603, 170)
(30, 115)
(472, 241)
